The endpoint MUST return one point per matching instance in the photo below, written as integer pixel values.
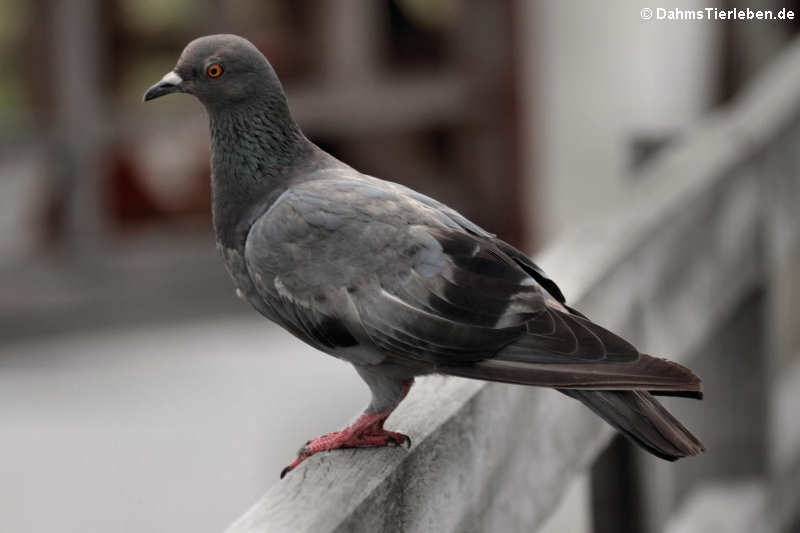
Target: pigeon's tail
(641, 418)
(621, 393)
(647, 373)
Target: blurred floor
(159, 429)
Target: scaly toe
(374, 437)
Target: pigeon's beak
(170, 83)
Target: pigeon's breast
(243, 283)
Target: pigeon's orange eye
(214, 71)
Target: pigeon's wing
(522, 260)
(350, 264)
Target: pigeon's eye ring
(214, 71)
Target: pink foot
(366, 432)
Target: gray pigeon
(392, 281)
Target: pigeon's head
(219, 70)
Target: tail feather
(653, 374)
(620, 393)
(641, 418)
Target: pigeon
(392, 281)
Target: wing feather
(421, 283)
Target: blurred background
(136, 392)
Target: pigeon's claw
(299, 459)
(399, 439)
(366, 432)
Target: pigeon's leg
(367, 430)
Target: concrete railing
(700, 264)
